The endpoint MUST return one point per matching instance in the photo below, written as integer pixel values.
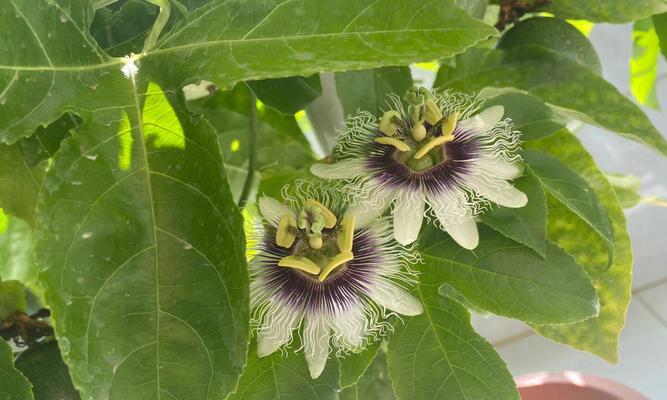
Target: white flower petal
(272, 209)
(483, 121)
(316, 344)
(367, 212)
(408, 215)
(464, 232)
(395, 298)
(276, 330)
(344, 169)
(500, 192)
(349, 328)
(500, 168)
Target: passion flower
(440, 150)
(317, 266)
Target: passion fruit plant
(184, 218)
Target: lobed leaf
(526, 225)
(142, 253)
(506, 278)
(438, 354)
(560, 82)
(598, 335)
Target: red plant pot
(572, 385)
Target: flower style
(316, 265)
(440, 151)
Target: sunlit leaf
(137, 232)
(597, 335)
(644, 63)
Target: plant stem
(252, 150)
(160, 21)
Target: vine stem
(160, 22)
(252, 149)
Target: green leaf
(509, 279)
(273, 180)
(13, 385)
(554, 34)
(597, 335)
(438, 354)
(368, 90)
(573, 191)
(615, 11)
(526, 225)
(19, 182)
(12, 299)
(644, 63)
(46, 371)
(142, 253)
(17, 254)
(660, 25)
(529, 114)
(557, 80)
(374, 384)
(124, 31)
(288, 95)
(24, 164)
(240, 41)
(285, 377)
(353, 366)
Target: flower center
(322, 244)
(416, 146)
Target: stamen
(285, 234)
(449, 125)
(300, 263)
(346, 233)
(431, 144)
(339, 259)
(432, 113)
(418, 132)
(401, 146)
(387, 124)
(329, 217)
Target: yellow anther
(418, 132)
(387, 124)
(449, 125)
(432, 113)
(339, 259)
(329, 217)
(300, 263)
(437, 141)
(315, 242)
(285, 234)
(346, 233)
(401, 146)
